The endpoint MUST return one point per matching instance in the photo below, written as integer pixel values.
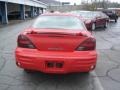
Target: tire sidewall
(93, 26)
(106, 24)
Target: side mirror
(88, 28)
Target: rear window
(84, 14)
(58, 22)
(109, 11)
(87, 15)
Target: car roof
(80, 11)
(59, 14)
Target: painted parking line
(97, 84)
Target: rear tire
(115, 20)
(87, 73)
(28, 71)
(106, 24)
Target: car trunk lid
(56, 40)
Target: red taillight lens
(24, 42)
(89, 44)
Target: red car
(93, 19)
(56, 43)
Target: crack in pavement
(3, 63)
(118, 66)
(110, 59)
(109, 70)
(6, 52)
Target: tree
(95, 4)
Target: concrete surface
(105, 77)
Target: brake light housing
(24, 42)
(87, 45)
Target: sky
(71, 1)
(79, 1)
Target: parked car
(112, 14)
(0, 18)
(16, 15)
(93, 19)
(56, 43)
(101, 19)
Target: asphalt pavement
(106, 76)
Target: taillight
(24, 42)
(89, 44)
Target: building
(51, 2)
(21, 6)
(65, 3)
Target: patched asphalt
(107, 72)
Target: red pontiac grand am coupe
(56, 43)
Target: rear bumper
(72, 61)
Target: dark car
(112, 14)
(93, 19)
(16, 15)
